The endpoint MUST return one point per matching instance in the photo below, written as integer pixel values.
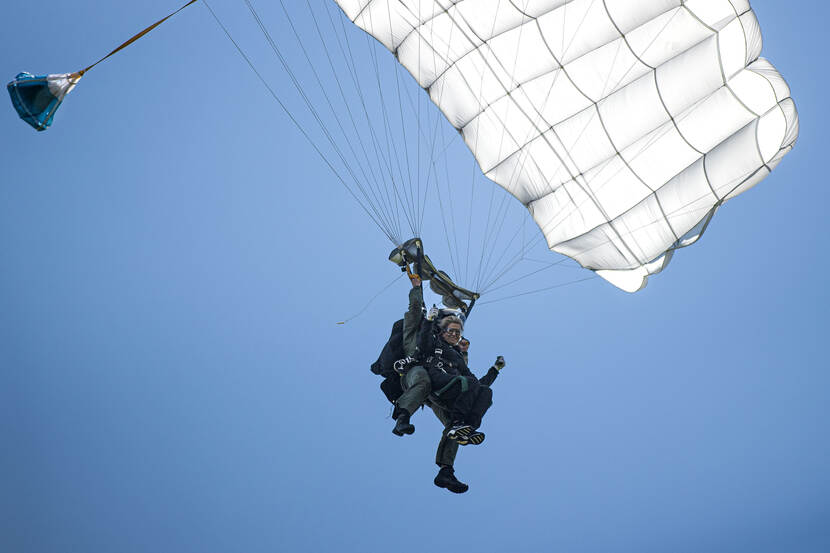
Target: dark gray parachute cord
(365, 307)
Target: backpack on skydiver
(384, 366)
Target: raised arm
(413, 317)
(493, 372)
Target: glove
(433, 313)
(499, 364)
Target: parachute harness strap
(464, 385)
(80, 73)
(409, 272)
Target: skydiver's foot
(402, 424)
(459, 430)
(473, 438)
(446, 479)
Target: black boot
(402, 424)
(446, 479)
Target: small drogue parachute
(36, 98)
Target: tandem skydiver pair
(424, 362)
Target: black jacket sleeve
(490, 377)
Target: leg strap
(464, 385)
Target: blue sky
(175, 257)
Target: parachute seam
(704, 156)
(708, 180)
(623, 36)
(771, 85)
(758, 142)
(478, 49)
(535, 19)
(723, 74)
(743, 29)
(669, 113)
(447, 11)
(471, 88)
(587, 191)
(633, 172)
(580, 111)
(711, 213)
(360, 12)
(719, 200)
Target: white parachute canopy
(621, 125)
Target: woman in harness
(465, 398)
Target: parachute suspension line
(501, 216)
(539, 113)
(637, 58)
(455, 259)
(365, 307)
(562, 149)
(388, 137)
(455, 256)
(557, 151)
(478, 136)
(434, 168)
(311, 65)
(415, 113)
(444, 223)
(589, 195)
(396, 70)
(527, 275)
(313, 111)
(346, 48)
(482, 266)
(512, 261)
(369, 125)
(400, 113)
(652, 140)
(525, 246)
(470, 220)
(297, 124)
(515, 173)
(418, 100)
(431, 169)
(539, 290)
(484, 235)
(487, 228)
(386, 128)
(680, 211)
(346, 103)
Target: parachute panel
(621, 126)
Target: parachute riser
(453, 296)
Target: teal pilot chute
(37, 97)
